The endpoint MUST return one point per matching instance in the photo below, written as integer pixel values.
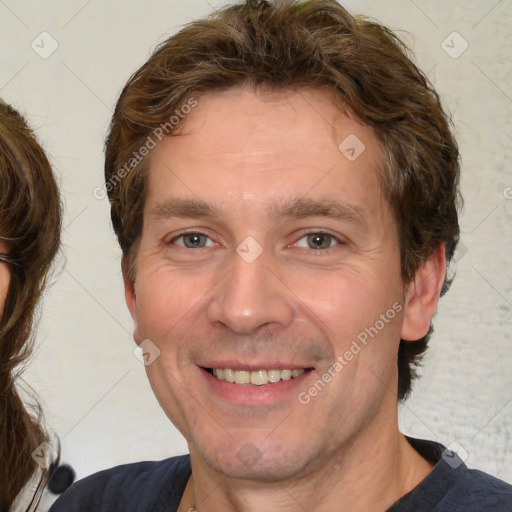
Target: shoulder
(480, 491)
(451, 486)
(139, 486)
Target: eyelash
(187, 233)
(339, 240)
(304, 234)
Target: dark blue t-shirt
(159, 486)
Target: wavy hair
(30, 223)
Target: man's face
(298, 258)
(5, 279)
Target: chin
(259, 461)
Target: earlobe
(422, 296)
(131, 302)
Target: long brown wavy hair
(293, 45)
(30, 224)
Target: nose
(250, 296)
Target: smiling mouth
(255, 378)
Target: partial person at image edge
(30, 222)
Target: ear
(131, 302)
(422, 296)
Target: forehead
(261, 148)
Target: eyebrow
(297, 208)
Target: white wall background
(94, 391)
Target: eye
(192, 241)
(317, 241)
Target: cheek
(166, 299)
(346, 301)
(5, 279)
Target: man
(284, 187)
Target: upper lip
(255, 366)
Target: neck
(369, 473)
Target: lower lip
(251, 394)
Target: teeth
(286, 374)
(260, 377)
(229, 375)
(274, 375)
(256, 378)
(242, 377)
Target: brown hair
(292, 45)
(30, 222)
